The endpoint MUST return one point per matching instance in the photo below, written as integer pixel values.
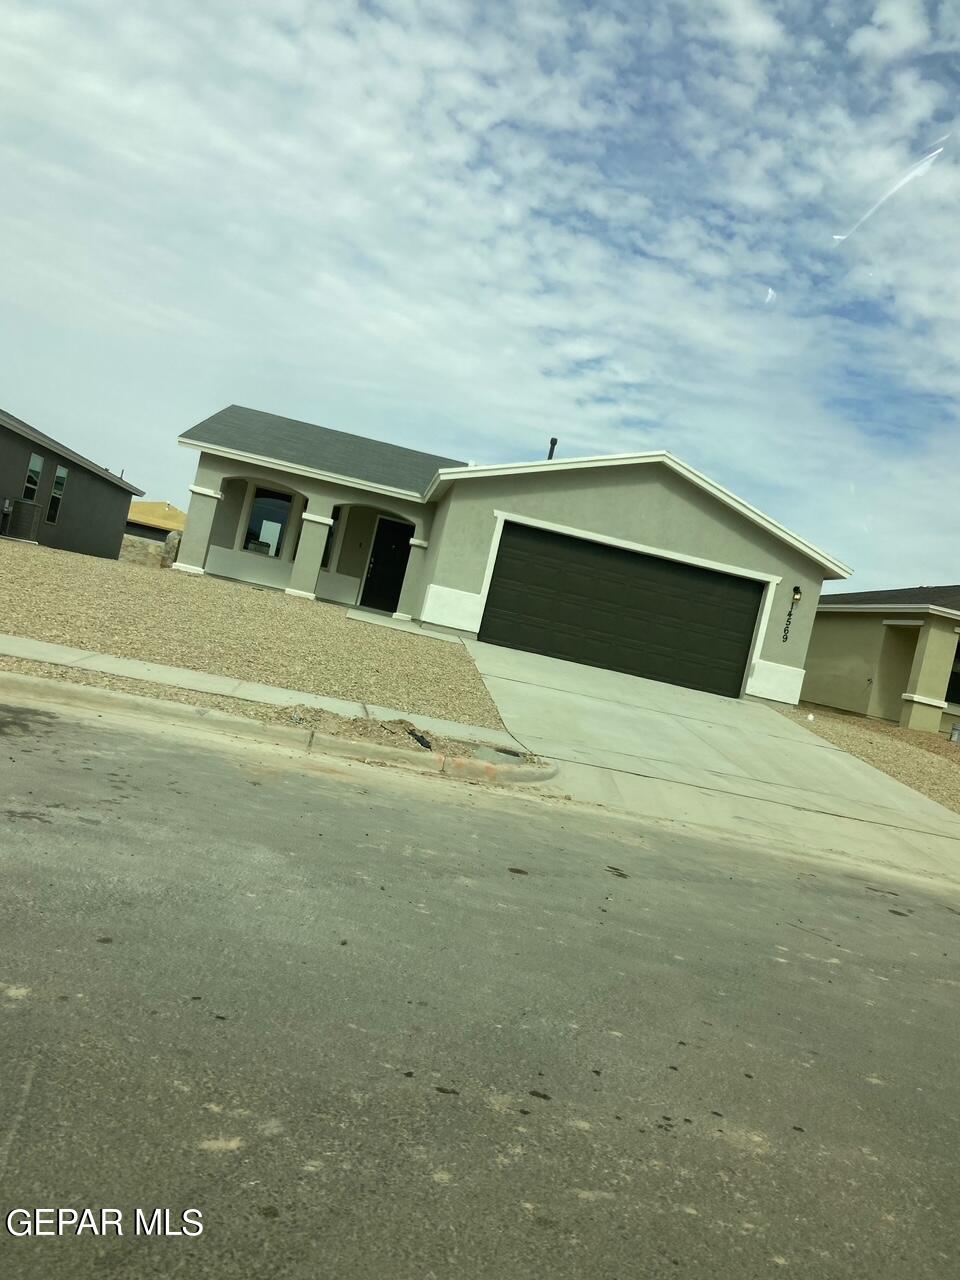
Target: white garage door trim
(589, 536)
(463, 610)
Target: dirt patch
(232, 629)
(926, 762)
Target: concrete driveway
(735, 766)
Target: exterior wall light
(797, 596)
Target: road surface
(379, 1025)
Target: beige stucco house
(634, 562)
(889, 654)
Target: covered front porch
(918, 673)
(319, 541)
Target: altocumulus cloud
(473, 226)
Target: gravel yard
(229, 629)
(925, 761)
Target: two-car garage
(605, 606)
(635, 563)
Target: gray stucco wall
(227, 519)
(356, 541)
(650, 505)
(212, 472)
(212, 524)
(93, 512)
(842, 660)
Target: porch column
(924, 699)
(196, 535)
(411, 593)
(316, 520)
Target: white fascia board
(933, 609)
(662, 553)
(278, 464)
(447, 476)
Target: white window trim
(54, 495)
(26, 478)
(206, 493)
(252, 487)
(308, 515)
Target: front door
(388, 564)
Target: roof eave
(44, 441)
(937, 610)
(833, 569)
(294, 468)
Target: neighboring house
(888, 654)
(52, 495)
(152, 535)
(635, 562)
(154, 520)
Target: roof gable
(833, 568)
(947, 597)
(47, 442)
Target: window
(953, 684)
(331, 534)
(269, 517)
(56, 495)
(32, 482)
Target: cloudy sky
(467, 227)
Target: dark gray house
(52, 495)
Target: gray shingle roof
(47, 442)
(306, 445)
(946, 597)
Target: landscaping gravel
(925, 761)
(231, 629)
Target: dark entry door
(388, 563)
(608, 607)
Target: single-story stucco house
(53, 495)
(634, 562)
(888, 654)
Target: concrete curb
(87, 697)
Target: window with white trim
(32, 482)
(56, 495)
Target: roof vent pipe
(553, 448)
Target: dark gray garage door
(606, 607)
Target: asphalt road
(378, 1025)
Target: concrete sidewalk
(247, 690)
